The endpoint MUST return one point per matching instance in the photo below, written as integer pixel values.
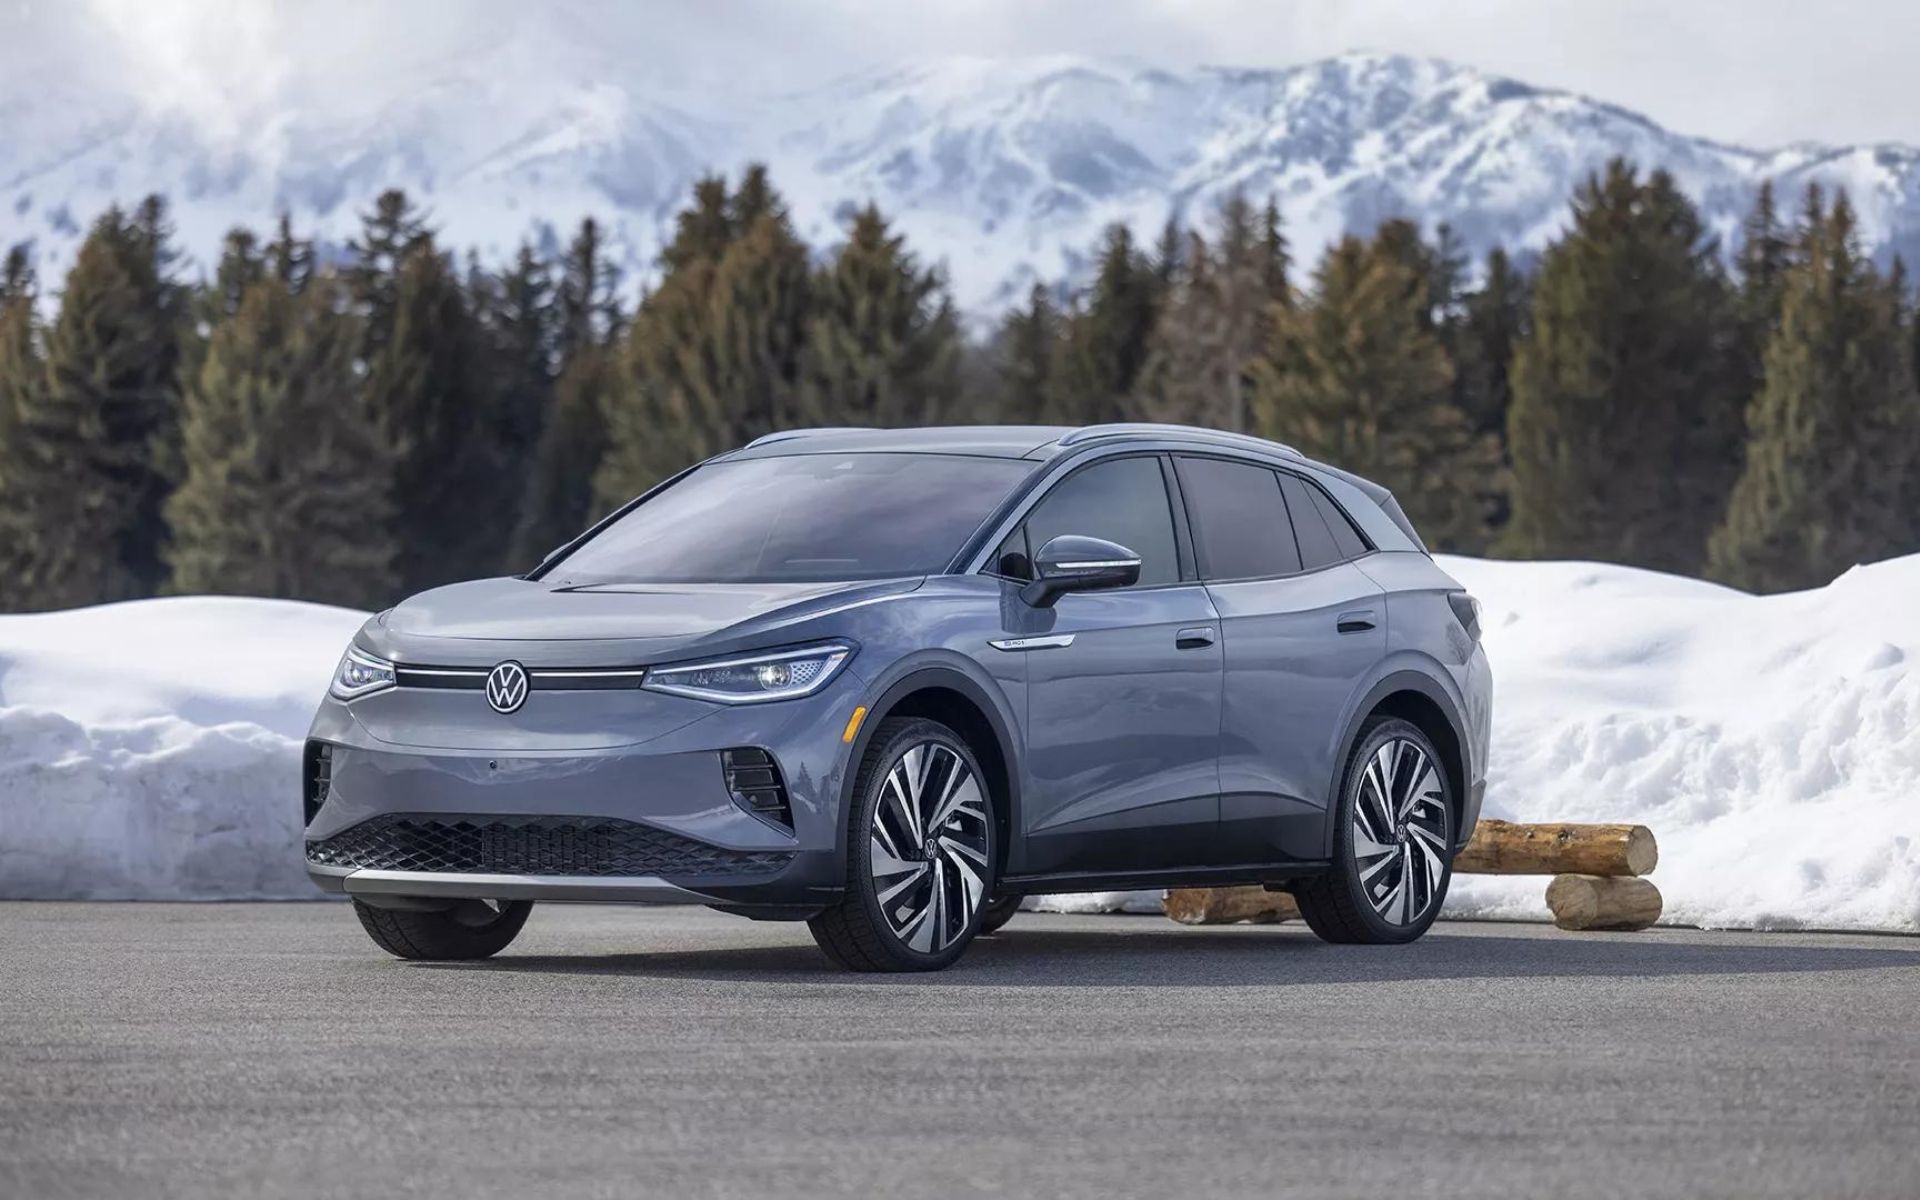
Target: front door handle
(1194, 637)
(1355, 622)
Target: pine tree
(1027, 347)
(94, 449)
(1358, 378)
(1624, 427)
(427, 387)
(516, 312)
(882, 341)
(587, 300)
(1492, 322)
(288, 479)
(1276, 260)
(1766, 251)
(1106, 344)
(1216, 321)
(388, 238)
(713, 356)
(1835, 429)
(558, 501)
(23, 375)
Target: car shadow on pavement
(1233, 957)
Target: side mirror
(1071, 563)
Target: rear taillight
(753, 779)
(1466, 610)
(318, 777)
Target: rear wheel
(1392, 842)
(467, 930)
(919, 853)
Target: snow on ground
(151, 750)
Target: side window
(1123, 500)
(1345, 536)
(1240, 526)
(1317, 547)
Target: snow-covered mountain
(1004, 169)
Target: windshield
(802, 518)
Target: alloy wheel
(928, 847)
(1400, 832)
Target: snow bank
(151, 750)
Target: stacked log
(1596, 884)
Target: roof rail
(1196, 433)
(783, 435)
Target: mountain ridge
(1004, 169)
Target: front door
(1123, 690)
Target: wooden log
(1507, 848)
(1601, 902)
(1224, 906)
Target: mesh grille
(489, 845)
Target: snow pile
(151, 750)
(1772, 743)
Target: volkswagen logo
(507, 687)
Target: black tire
(998, 912)
(861, 933)
(468, 930)
(1357, 901)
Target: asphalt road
(269, 1050)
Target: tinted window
(800, 518)
(1317, 548)
(1345, 536)
(1011, 558)
(1123, 500)
(1240, 527)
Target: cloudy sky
(1759, 72)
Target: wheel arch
(1423, 701)
(949, 695)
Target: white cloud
(1753, 71)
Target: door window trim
(1184, 565)
(1366, 541)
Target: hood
(663, 617)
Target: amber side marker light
(853, 724)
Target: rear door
(1123, 688)
(1301, 626)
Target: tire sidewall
(878, 762)
(1346, 870)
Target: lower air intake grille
(488, 845)
(318, 777)
(754, 780)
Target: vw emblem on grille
(507, 687)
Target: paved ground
(266, 1050)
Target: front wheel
(920, 853)
(468, 929)
(1392, 842)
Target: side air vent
(754, 779)
(318, 776)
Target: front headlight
(780, 675)
(360, 673)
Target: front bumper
(643, 821)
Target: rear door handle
(1194, 637)
(1355, 622)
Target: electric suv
(890, 681)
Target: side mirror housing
(1071, 563)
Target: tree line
(351, 425)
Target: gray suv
(890, 681)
